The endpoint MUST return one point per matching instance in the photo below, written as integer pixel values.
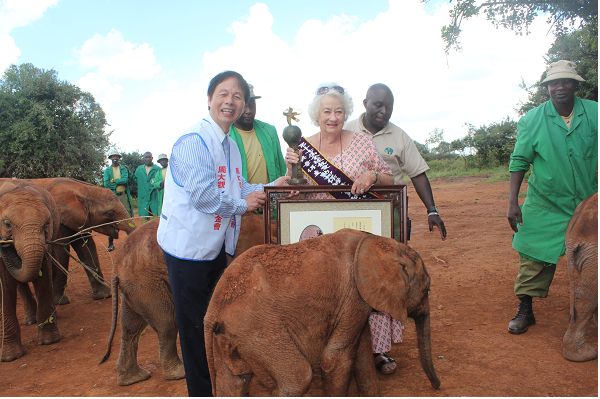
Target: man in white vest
(205, 196)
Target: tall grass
(457, 168)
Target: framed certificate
(302, 218)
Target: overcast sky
(148, 63)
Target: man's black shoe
(111, 248)
(524, 317)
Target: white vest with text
(187, 233)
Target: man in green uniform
(159, 180)
(559, 139)
(262, 159)
(116, 178)
(147, 194)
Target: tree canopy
(517, 15)
(49, 127)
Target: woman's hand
(364, 182)
(291, 158)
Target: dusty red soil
(472, 301)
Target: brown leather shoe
(524, 317)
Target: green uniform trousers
(534, 278)
(123, 198)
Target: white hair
(346, 99)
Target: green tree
(422, 148)
(131, 160)
(436, 136)
(517, 15)
(493, 144)
(49, 128)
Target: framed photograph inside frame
(302, 217)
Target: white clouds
(9, 52)
(401, 47)
(103, 90)
(15, 13)
(117, 59)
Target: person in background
(400, 153)
(262, 160)
(559, 141)
(159, 180)
(147, 194)
(205, 196)
(116, 178)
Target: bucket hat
(252, 96)
(162, 156)
(562, 69)
(114, 152)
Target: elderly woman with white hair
(338, 156)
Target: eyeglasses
(325, 89)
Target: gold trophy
(292, 135)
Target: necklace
(341, 155)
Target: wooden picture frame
(361, 211)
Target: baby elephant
(582, 253)
(29, 219)
(140, 273)
(280, 312)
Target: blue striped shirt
(193, 168)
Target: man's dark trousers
(192, 283)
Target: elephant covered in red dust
(278, 313)
(29, 219)
(582, 261)
(140, 273)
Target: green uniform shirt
(160, 192)
(109, 175)
(565, 166)
(147, 193)
(269, 141)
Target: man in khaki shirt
(396, 148)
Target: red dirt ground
(472, 300)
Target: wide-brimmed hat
(562, 69)
(252, 96)
(114, 152)
(162, 156)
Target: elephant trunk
(26, 267)
(423, 325)
(127, 225)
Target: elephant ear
(381, 279)
(6, 187)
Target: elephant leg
(59, 278)
(336, 366)
(11, 342)
(164, 323)
(367, 381)
(48, 332)
(585, 305)
(29, 304)
(280, 361)
(86, 251)
(128, 370)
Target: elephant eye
(7, 224)
(111, 214)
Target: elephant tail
(115, 313)
(209, 332)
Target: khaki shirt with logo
(395, 147)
